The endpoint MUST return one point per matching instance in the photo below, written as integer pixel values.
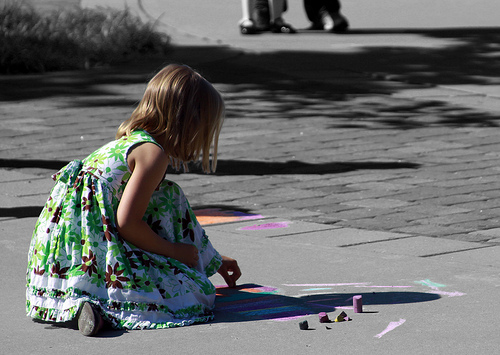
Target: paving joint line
(375, 241)
(455, 251)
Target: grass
(31, 42)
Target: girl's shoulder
(139, 136)
(119, 149)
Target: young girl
(115, 241)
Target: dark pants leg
(261, 14)
(313, 7)
(332, 6)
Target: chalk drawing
(429, 283)
(390, 327)
(261, 302)
(256, 302)
(435, 289)
(327, 285)
(264, 226)
(449, 294)
(216, 215)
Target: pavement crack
(374, 241)
(455, 251)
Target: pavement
(357, 164)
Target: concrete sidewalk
(357, 164)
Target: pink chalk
(357, 302)
(323, 318)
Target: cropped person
(326, 15)
(264, 15)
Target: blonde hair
(184, 109)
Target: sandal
(89, 320)
(280, 26)
(248, 27)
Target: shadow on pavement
(252, 302)
(244, 167)
(468, 59)
(21, 212)
(32, 163)
(294, 82)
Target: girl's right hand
(185, 253)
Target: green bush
(33, 42)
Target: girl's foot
(247, 27)
(89, 320)
(280, 26)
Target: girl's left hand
(230, 271)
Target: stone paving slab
(417, 246)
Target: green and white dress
(77, 255)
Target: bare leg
(246, 10)
(247, 25)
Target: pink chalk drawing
(216, 216)
(264, 226)
(390, 327)
(435, 289)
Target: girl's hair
(184, 109)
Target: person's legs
(247, 25)
(261, 13)
(340, 23)
(278, 25)
(332, 6)
(312, 9)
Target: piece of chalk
(323, 318)
(303, 325)
(357, 302)
(341, 317)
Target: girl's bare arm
(148, 163)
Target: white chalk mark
(372, 286)
(435, 289)
(391, 326)
(449, 294)
(327, 285)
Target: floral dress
(77, 255)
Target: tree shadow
(21, 212)
(269, 80)
(33, 163)
(259, 168)
(469, 58)
(252, 302)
